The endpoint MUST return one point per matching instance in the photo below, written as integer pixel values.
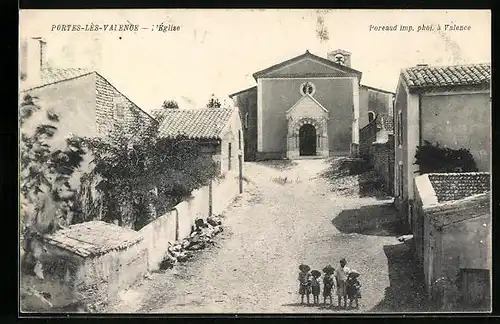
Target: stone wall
(101, 278)
(113, 108)
(382, 158)
(177, 224)
(367, 135)
(93, 281)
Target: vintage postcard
(255, 161)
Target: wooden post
(210, 198)
(176, 223)
(240, 164)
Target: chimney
(33, 60)
(340, 56)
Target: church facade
(308, 107)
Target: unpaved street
(272, 228)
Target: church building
(308, 107)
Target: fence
(177, 224)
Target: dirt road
(288, 215)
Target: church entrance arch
(307, 140)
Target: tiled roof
(460, 210)
(454, 186)
(204, 123)
(52, 75)
(419, 77)
(93, 238)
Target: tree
(170, 104)
(432, 158)
(213, 102)
(136, 163)
(47, 200)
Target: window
(400, 128)
(229, 156)
(246, 120)
(119, 106)
(307, 88)
(371, 116)
(239, 139)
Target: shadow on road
(370, 185)
(406, 291)
(380, 220)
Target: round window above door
(307, 88)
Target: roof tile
(445, 76)
(455, 186)
(93, 238)
(52, 75)
(194, 123)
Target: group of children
(343, 279)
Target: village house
(307, 106)
(217, 130)
(449, 105)
(376, 139)
(452, 236)
(87, 264)
(87, 103)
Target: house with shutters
(308, 107)
(449, 105)
(217, 130)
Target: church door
(307, 140)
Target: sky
(217, 51)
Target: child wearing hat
(315, 286)
(304, 282)
(328, 283)
(353, 287)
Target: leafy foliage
(213, 102)
(136, 164)
(170, 104)
(432, 158)
(47, 200)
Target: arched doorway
(307, 140)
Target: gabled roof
(376, 89)
(307, 96)
(242, 91)
(206, 123)
(455, 186)
(52, 75)
(307, 54)
(93, 238)
(423, 77)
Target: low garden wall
(177, 224)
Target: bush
(432, 158)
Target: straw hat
(329, 269)
(354, 274)
(316, 273)
(304, 267)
